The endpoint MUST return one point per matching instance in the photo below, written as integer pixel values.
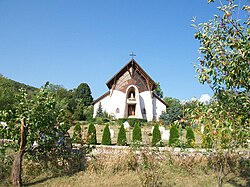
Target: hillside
(8, 90)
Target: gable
(131, 74)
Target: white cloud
(205, 98)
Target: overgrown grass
(141, 167)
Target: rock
(112, 133)
(126, 125)
(165, 135)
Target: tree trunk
(16, 172)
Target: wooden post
(16, 172)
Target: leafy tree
(91, 139)
(156, 135)
(224, 66)
(158, 91)
(77, 134)
(83, 94)
(174, 112)
(137, 135)
(106, 139)
(39, 122)
(174, 136)
(190, 137)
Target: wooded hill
(76, 102)
(8, 91)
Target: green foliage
(133, 121)
(174, 136)
(106, 139)
(174, 112)
(137, 135)
(122, 139)
(225, 49)
(158, 91)
(224, 66)
(190, 137)
(91, 139)
(99, 111)
(77, 134)
(156, 135)
(45, 125)
(83, 94)
(8, 91)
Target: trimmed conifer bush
(91, 139)
(174, 136)
(137, 136)
(122, 139)
(106, 139)
(190, 137)
(77, 135)
(156, 135)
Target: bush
(122, 139)
(106, 139)
(190, 137)
(91, 139)
(132, 121)
(77, 135)
(156, 135)
(137, 136)
(174, 136)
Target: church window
(117, 110)
(143, 111)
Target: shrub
(156, 135)
(132, 121)
(122, 139)
(190, 137)
(77, 135)
(174, 136)
(91, 139)
(137, 136)
(106, 139)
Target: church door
(131, 110)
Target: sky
(67, 42)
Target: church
(131, 95)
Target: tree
(224, 66)
(156, 135)
(34, 120)
(106, 139)
(122, 139)
(174, 136)
(91, 139)
(83, 94)
(174, 112)
(158, 91)
(137, 135)
(190, 137)
(77, 134)
(99, 111)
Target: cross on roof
(132, 55)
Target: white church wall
(146, 96)
(159, 108)
(105, 103)
(117, 104)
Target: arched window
(117, 110)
